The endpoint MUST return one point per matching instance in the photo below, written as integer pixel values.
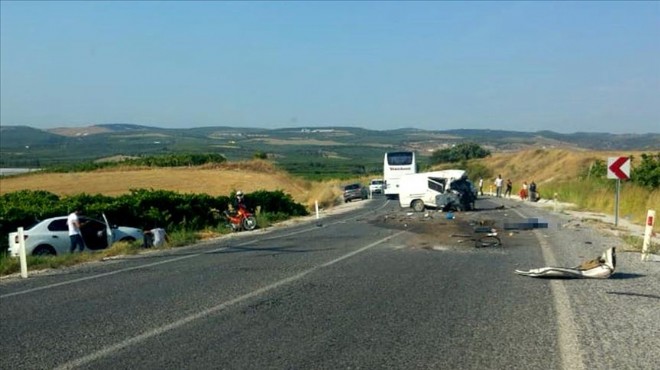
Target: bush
(143, 208)
(458, 153)
(647, 173)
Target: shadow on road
(620, 275)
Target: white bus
(395, 165)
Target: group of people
(526, 192)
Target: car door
(94, 233)
(108, 230)
(435, 186)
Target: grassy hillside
(547, 165)
(561, 172)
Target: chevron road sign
(618, 168)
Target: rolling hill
(358, 149)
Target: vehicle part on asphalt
(488, 241)
(599, 268)
(484, 229)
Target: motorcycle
(242, 219)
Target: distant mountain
(24, 136)
(22, 146)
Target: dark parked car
(355, 191)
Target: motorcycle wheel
(249, 223)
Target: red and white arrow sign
(618, 168)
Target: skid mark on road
(174, 325)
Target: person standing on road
(73, 222)
(481, 186)
(509, 186)
(498, 186)
(523, 191)
(532, 191)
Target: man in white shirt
(498, 186)
(74, 231)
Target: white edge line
(569, 346)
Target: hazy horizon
(565, 67)
(322, 127)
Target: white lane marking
(108, 350)
(569, 346)
(173, 259)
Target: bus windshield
(400, 158)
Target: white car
(51, 236)
(376, 186)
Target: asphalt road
(372, 288)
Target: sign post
(21, 253)
(650, 221)
(618, 168)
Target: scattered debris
(599, 268)
(484, 229)
(488, 241)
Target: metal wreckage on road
(598, 268)
(601, 267)
(460, 196)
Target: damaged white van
(425, 190)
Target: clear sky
(525, 66)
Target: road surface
(375, 287)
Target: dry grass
(215, 180)
(546, 165)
